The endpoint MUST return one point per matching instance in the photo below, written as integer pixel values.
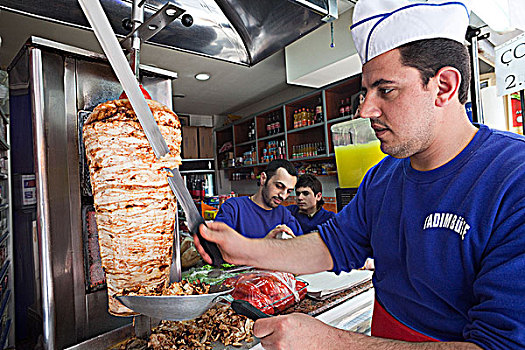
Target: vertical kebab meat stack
(135, 208)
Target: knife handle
(211, 249)
(242, 307)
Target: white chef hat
(382, 25)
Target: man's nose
(369, 108)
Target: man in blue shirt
(309, 211)
(443, 214)
(262, 215)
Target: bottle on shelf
(322, 148)
(342, 108)
(348, 108)
(251, 131)
(277, 128)
(319, 111)
(310, 116)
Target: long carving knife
(108, 41)
(193, 217)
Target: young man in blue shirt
(443, 214)
(262, 215)
(309, 211)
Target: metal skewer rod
(137, 18)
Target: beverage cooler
(61, 292)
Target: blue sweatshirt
(250, 220)
(448, 244)
(309, 224)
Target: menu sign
(510, 66)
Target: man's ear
(448, 80)
(263, 178)
(318, 196)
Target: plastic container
(270, 291)
(357, 149)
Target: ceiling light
(202, 76)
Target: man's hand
(302, 255)
(232, 245)
(296, 331)
(279, 230)
(303, 332)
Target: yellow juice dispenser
(356, 150)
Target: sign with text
(510, 66)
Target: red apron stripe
(385, 325)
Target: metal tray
(172, 307)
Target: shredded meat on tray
(217, 325)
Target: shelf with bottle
(224, 141)
(313, 126)
(342, 99)
(244, 131)
(249, 174)
(270, 124)
(251, 142)
(304, 142)
(272, 149)
(305, 112)
(246, 154)
(312, 150)
(281, 123)
(319, 167)
(271, 137)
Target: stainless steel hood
(238, 31)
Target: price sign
(510, 66)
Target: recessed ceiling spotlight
(202, 76)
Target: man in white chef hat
(443, 215)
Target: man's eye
(386, 91)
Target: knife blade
(108, 41)
(193, 217)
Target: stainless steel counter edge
(107, 339)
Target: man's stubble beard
(266, 198)
(420, 140)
